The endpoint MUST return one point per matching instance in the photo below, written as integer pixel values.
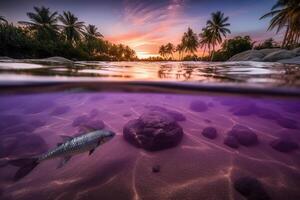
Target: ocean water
(229, 133)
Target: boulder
(297, 51)
(250, 55)
(244, 135)
(209, 132)
(251, 188)
(287, 123)
(243, 109)
(268, 51)
(294, 60)
(279, 55)
(153, 131)
(231, 142)
(284, 145)
(198, 106)
(176, 115)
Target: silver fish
(71, 146)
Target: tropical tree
(180, 49)
(190, 41)
(170, 49)
(285, 15)
(217, 26)
(3, 20)
(43, 22)
(162, 51)
(91, 31)
(205, 40)
(72, 28)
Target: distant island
(50, 34)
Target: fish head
(106, 135)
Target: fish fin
(58, 144)
(26, 166)
(91, 151)
(63, 161)
(66, 137)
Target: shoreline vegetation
(49, 34)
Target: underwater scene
(78, 144)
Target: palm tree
(217, 26)
(285, 15)
(72, 28)
(170, 49)
(190, 41)
(205, 40)
(162, 51)
(180, 49)
(91, 31)
(2, 19)
(43, 22)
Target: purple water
(250, 136)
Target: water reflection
(272, 74)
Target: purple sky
(145, 25)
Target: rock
(174, 114)
(279, 55)
(198, 106)
(60, 110)
(153, 131)
(51, 61)
(5, 58)
(267, 113)
(251, 188)
(268, 51)
(287, 123)
(294, 60)
(244, 135)
(156, 169)
(231, 142)
(284, 145)
(250, 55)
(209, 132)
(297, 51)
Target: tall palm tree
(205, 40)
(72, 28)
(285, 15)
(3, 20)
(162, 51)
(217, 26)
(190, 41)
(91, 31)
(180, 49)
(170, 49)
(43, 22)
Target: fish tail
(26, 165)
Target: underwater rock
(198, 106)
(209, 132)
(251, 188)
(153, 131)
(156, 168)
(91, 125)
(244, 109)
(61, 110)
(231, 142)
(174, 114)
(284, 145)
(9, 120)
(279, 55)
(287, 123)
(267, 113)
(244, 135)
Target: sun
(144, 54)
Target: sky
(144, 25)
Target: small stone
(244, 135)
(156, 168)
(209, 132)
(251, 188)
(287, 123)
(231, 142)
(244, 109)
(284, 145)
(198, 106)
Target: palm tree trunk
(203, 52)
(213, 52)
(285, 37)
